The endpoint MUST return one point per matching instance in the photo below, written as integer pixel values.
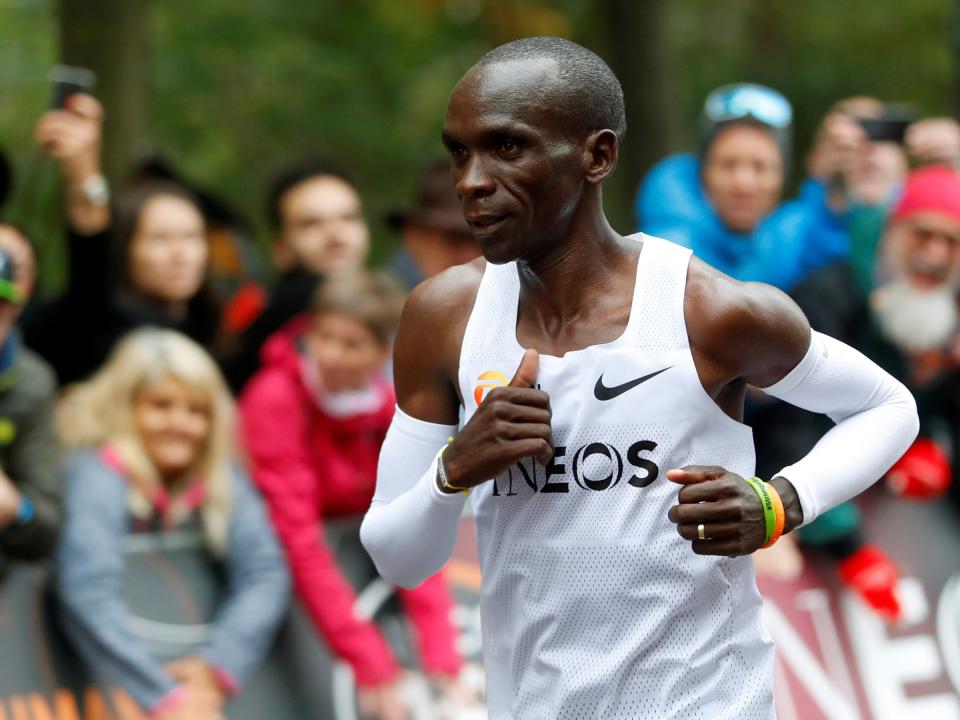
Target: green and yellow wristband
(773, 514)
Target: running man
(608, 476)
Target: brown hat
(437, 205)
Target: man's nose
(474, 181)
(744, 177)
(937, 250)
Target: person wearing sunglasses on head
(726, 203)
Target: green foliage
(815, 52)
(238, 89)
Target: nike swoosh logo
(603, 392)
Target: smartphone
(891, 126)
(67, 80)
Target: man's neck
(561, 283)
(581, 294)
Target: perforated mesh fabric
(592, 605)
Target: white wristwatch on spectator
(95, 190)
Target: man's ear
(600, 154)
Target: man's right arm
(411, 525)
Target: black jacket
(76, 331)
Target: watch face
(96, 191)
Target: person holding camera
(726, 203)
(142, 262)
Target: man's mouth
(484, 223)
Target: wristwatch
(95, 190)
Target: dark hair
(592, 97)
(292, 175)
(371, 298)
(127, 209)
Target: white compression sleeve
(876, 420)
(411, 526)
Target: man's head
(745, 146)
(317, 218)
(533, 130)
(921, 248)
(434, 231)
(881, 165)
(18, 272)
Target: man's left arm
(775, 350)
(35, 469)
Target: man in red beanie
(909, 324)
(916, 309)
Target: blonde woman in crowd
(151, 451)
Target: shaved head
(586, 92)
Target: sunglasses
(743, 101)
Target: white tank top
(592, 605)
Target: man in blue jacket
(726, 204)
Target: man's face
(323, 226)
(917, 308)
(743, 176)
(518, 173)
(924, 249)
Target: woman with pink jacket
(314, 418)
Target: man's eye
(509, 147)
(458, 151)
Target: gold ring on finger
(700, 532)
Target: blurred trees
(228, 91)
(110, 38)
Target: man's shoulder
(450, 295)
(739, 322)
(33, 376)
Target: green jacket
(30, 456)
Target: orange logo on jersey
(488, 381)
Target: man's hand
(382, 702)
(199, 677)
(512, 423)
(9, 501)
(729, 509)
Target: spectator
(910, 325)
(145, 265)
(235, 267)
(30, 472)
(726, 204)
(864, 174)
(151, 440)
(314, 418)
(862, 155)
(317, 219)
(435, 234)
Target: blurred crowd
(168, 388)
